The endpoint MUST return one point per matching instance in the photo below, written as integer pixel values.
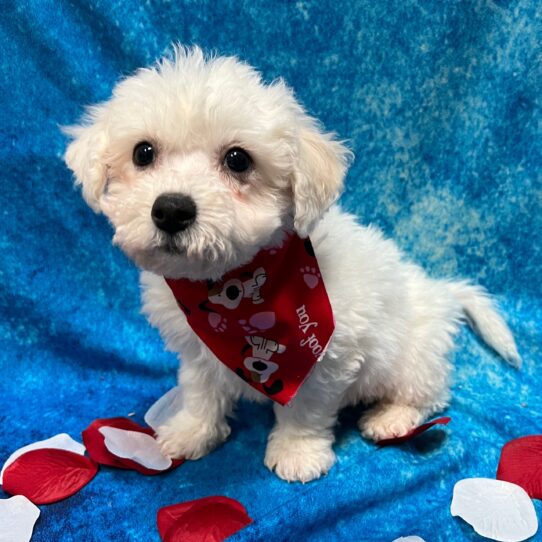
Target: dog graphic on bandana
(231, 293)
(259, 364)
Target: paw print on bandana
(311, 276)
(218, 322)
(258, 322)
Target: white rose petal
(495, 509)
(138, 447)
(164, 408)
(409, 539)
(17, 518)
(62, 441)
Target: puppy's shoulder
(341, 231)
(159, 305)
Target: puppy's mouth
(171, 246)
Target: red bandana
(269, 321)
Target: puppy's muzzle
(173, 213)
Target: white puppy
(247, 164)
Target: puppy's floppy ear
(318, 175)
(85, 156)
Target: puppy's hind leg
(417, 383)
(406, 407)
(390, 420)
(417, 388)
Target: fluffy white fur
(394, 325)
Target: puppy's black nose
(173, 212)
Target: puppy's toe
(389, 421)
(189, 438)
(170, 442)
(299, 459)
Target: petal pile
(164, 408)
(48, 475)
(211, 519)
(495, 509)
(415, 432)
(114, 442)
(521, 464)
(17, 518)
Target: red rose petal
(521, 464)
(48, 475)
(94, 443)
(415, 432)
(211, 519)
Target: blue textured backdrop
(441, 104)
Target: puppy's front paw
(297, 458)
(189, 437)
(389, 421)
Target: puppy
(199, 166)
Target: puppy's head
(198, 165)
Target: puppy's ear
(85, 156)
(318, 176)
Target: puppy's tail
(484, 319)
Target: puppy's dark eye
(237, 160)
(143, 154)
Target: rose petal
(61, 441)
(134, 445)
(210, 519)
(164, 408)
(409, 539)
(415, 432)
(48, 475)
(521, 464)
(17, 518)
(95, 443)
(495, 509)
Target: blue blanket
(440, 102)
